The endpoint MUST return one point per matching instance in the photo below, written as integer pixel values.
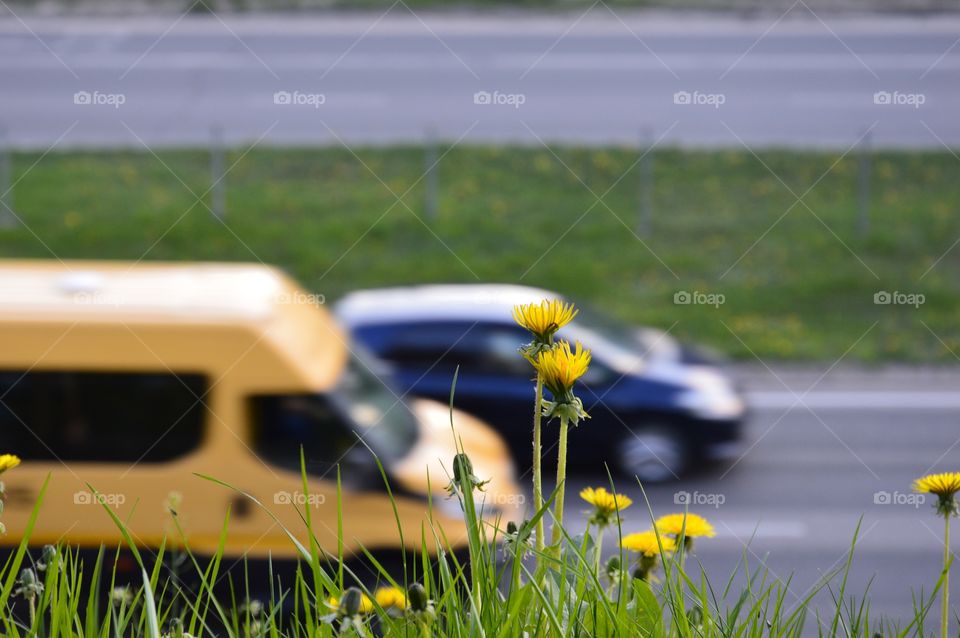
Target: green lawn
(800, 289)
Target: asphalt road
(797, 79)
(808, 474)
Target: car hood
(428, 466)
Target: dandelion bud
(463, 474)
(30, 587)
(350, 602)
(28, 578)
(613, 565)
(49, 554)
(417, 597)
(462, 467)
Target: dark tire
(653, 454)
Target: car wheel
(653, 455)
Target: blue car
(656, 406)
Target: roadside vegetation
(797, 280)
(517, 579)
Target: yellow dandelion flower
(944, 485)
(691, 525)
(560, 368)
(605, 504)
(391, 598)
(646, 543)
(8, 462)
(545, 318)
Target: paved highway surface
(795, 79)
(807, 475)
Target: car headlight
(710, 395)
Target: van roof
(88, 288)
(260, 299)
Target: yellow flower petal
(560, 367)
(694, 527)
(945, 484)
(8, 462)
(545, 318)
(388, 597)
(605, 502)
(646, 543)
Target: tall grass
(492, 591)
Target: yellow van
(131, 377)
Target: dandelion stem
(599, 548)
(537, 463)
(561, 488)
(944, 613)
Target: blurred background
(773, 184)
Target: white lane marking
(745, 530)
(647, 24)
(420, 62)
(858, 400)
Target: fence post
(7, 215)
(863, 184)
(430, 156)
(646, 182)
(218, 195)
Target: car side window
(125, 417)
(425, 345)
(282, 424)
(500, 350)
(478, 348)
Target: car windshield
(622, 346)
(380, 416)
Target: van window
(330, 427)
(100, 416)
(284, 423)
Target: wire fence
(432, 171)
